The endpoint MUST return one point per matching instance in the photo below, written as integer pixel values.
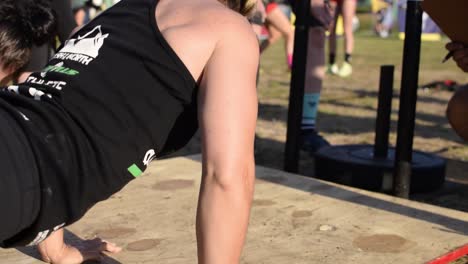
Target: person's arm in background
(227, 117)
(457, 108)
(65, 19)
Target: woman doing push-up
(128, 87)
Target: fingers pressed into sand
(107, 246)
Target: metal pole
(408, 97)
(296, 95)
(384, 109)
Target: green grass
(345, 101)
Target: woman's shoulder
(205, 16)
(222, 24)
(218, 16)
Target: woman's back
(110, 100)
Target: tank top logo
(83, 49)
(135, 170)
(149, 156)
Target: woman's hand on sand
(54, 250)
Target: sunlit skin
(457, 111)
(457, 108)
(460, 54)
(5, 74)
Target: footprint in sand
(301, 213)
(173, 185)
(261, 202)
(144, 244)
(115, 232)
(382, 243)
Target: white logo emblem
(87, 45)
(149, 156)
(41, 236)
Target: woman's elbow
(240, 179)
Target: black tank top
(112, 99)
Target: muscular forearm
(222, 218)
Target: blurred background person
(277, 24)
(319, 21)
(384, 18)
(347, 10)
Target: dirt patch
(143, 245)
(260, 202)
(302, 213)
(172, 185)
(115, 232)
(382, 243)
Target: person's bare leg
(333, 68)
(54, 250)
(277, 19)
(349, 12)
(275, 34)
(332, 30)
(315, 67)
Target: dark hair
(24, 23)
(244, 7)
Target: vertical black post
(296, 95)
(384, 110)
(408, 97)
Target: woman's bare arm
(227, 116)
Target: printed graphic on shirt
(83, 49)
(135, 170)
(60, 69)
(149, 156)
(28, 91)
(51, 83)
